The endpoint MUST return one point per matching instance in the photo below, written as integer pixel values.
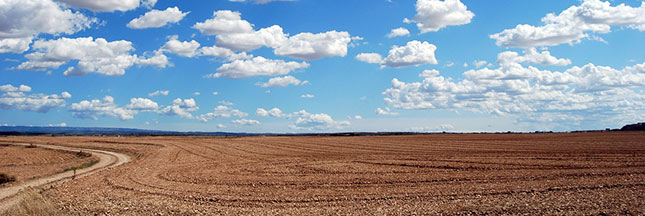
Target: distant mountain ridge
(94, 131)
(634, 127)
(42, 130)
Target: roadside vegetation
(5, 178)
(33, 202)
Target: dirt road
(107, 159)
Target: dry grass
(33, 203)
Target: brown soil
(575, 173)
(27, 163)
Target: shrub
(4, 178)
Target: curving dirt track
(106, 159)
(566, 173)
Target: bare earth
(29, 163)
(568, 173)
(105, 159)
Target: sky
(291, 66)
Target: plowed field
(562, 173)
(29, 163)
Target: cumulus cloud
(180, 107)
(109, 5)
(158, 60)
(17, 98)
(157, 18)
(371, 58)
(305, 120)
(222, 111)
(414, 53)
(479, 64)
(397, 32)
(433, 15)
(258, 66)
(93, 55)
(308, 46)
(234, 33)
(159, 92)
(275, 112)
(531, 55)
(105, 107)
(245, 122)
(282, 82)
(385, 111)
(528, 93)
(320, 121)
(573, 24)
(216, 51)
(22, 21)
(182, 48)
(142, 105)
(307, 96)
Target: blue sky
(322, 66)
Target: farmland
(27, 163)
(551, 173)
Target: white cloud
(106, 107)
(385, 111)
(305, 120)
(357, 117)
(22, 21)
(62, 124)
(234, 33)
(308, 46)
(371, 58)
(94, 56)
(433, 15)
(197, 93)
(414, 53)
(531, 55)
(320, 121)
(17, 98)
(224, 22)
(258, 66)
(182, 48)
(246, 122)
(573, 24)
(275, 112)
(158, 60)
(110, 5)
(225, 103)
(215, 93)
(142, 105)
(216, 51)
(443, 127)
(479, 64)
(528, 93)
(157, 18)
(159, 92)
(222, 111)
(307, 96)
(397, 32)
(282, 82)
(181, 108)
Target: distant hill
(78, 131)
(634, 127)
